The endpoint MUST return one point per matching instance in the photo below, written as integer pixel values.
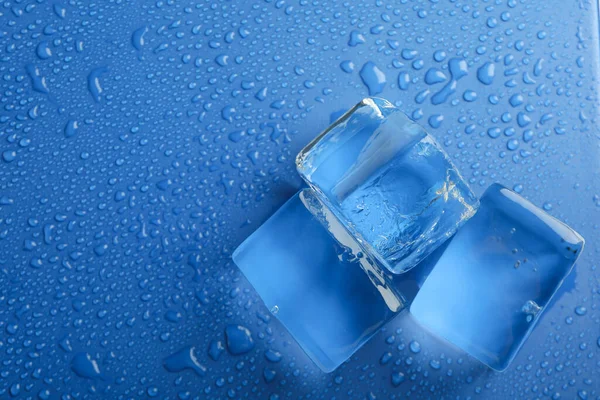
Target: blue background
(143, 141)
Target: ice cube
(317, 281)
(389, 182)
(488, 289)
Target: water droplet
(356, 38)
(184, 359)
(38, 82)
(434, 75)
(435, 121)
(469, 96)
(137, 38)
(347, 66)
(458, 69)
(215, 349)
(373, 78)
(485, 73)
(94, 82)
(43, 50)
(580, 310)
(403, 80)
(397, 378)
(86, 367)
(415, 346)
(239, 339)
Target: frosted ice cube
(494, 279)
(317, 281)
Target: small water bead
(418, 64)
(439, 55)
(15, 390)
(138, 38)
(494, 132)
(421, 96)
(397, 378)
(85, 366)
(516, 100)
(373, 78)
(435, 121)
(417, 114)
(215, 349)
(43, 50)
(184, 359)
(403, 80)
(273, 356)
(347, 66)
(377, 29)
(486, 73)
(580, 310)
(385, 358)
(518, 188)
(269, 374)
(512, 144)
(469, 96)
(523, 119)
(394, 44)
(356, 38)
(9, 155)
(239, 339)
(415, 347)
(409, 54)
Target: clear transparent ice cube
(388, 182)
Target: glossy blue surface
(123, 193)
(493, 281)
(389, 183)
(312, 275)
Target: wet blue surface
(143, 141)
